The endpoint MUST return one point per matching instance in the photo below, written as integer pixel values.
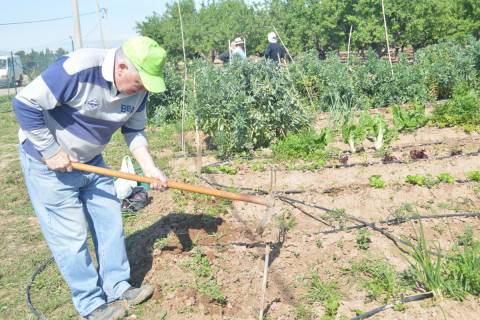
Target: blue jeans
(67, 205)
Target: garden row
(248, 105)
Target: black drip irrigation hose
(373, 312)
(39, 270)
(396, 221)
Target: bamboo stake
(386, 37)
(264, 282)
(184, 78)
(349, 39)
(171, 184)
(198, 158)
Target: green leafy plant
(409, 119)
(445, 177)
(422, 181)
(377, 182)
(462, 111)
(380, 279)
(325, 292)
(307, 145)
(363, 239)
(205, 278)
(474, 175)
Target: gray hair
(120, 57)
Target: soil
(237, 253)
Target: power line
(45, 20)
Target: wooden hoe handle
(171, 184)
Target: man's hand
(59, 162)
(149, 168)
(156, 173)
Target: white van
(10, 73)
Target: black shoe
(137, 295)
(108, 312)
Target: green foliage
(363, 239)
(456, 273)
(376, 182)
(462, 111)
(205, 278)
(167, 106)
(221, 168)
(445, 177)
(373, 128)
(422, 181)
(375, 82)
(474, 175)
(252, 104)
(445, 66)
(381, 280)
(307, 145)
(409, 119)
(325, 292)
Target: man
(275, 51)
(236, 50)
(68, 114)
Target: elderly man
(68, 114)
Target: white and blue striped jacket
(75, 105)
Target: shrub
(445, 65)
(167, 106)
(462, 111)
(246, 105)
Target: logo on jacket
(92, 104)
(126, 108)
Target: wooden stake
(184, 79)
(349, 39)
(264, 282)
(386, 37)
(198, 158)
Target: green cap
(148, 57)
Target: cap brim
(152, 83)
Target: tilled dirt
(236, 252)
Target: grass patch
(205, 281)
(379, 279)
(325, 292)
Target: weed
(376, 182)
(426, 268)
(406, 210)
(319, 243)
(325, 292)
(285, 222)
(339, 215)
(381, 280)
(204, 277)
(363, 239)
(400, 307)
(222, 168)
(474, 176)
(258, 167)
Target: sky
(118, 25)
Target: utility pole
(77, 29)
(100, 24)
(71, 40)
